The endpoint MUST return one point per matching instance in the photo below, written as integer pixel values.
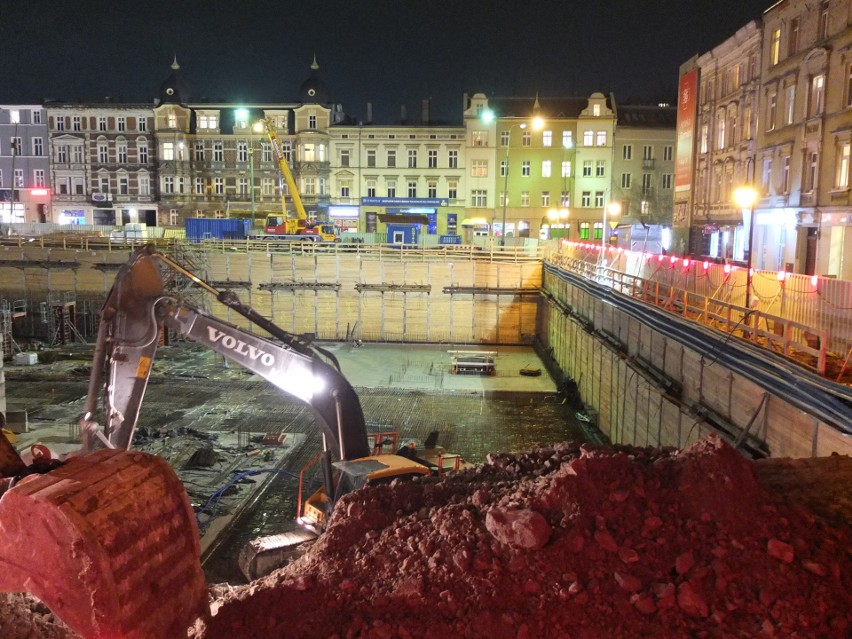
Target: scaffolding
(59, 312)
(9, 312)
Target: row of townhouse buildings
(770, 109)
(114, 163)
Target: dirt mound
(574, 541)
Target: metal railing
(801, 316)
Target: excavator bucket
(109, 543)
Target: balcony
(648, 165)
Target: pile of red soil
(570, 541)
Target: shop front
(434, 216)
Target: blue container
(211, 228)
(403, 233)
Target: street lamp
(537, 124)
(257, 127)
(745, 197)
(613, 208)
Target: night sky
(388, 52)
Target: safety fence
(802, 316)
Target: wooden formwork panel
(327, 316)
(417, 317)
(487, 312)
(461, 329)
(393, 273)
(304, 268)
(507, 329)
(484, 277)
(326, 269)
(528, 310)
(36, 282)
(371, 272)
(280, 268)
(217, 266)
(463, 274)
(789, 432)
(440, 316)
(691, 376)
(239, 267)
(673, 359)
(671, 421)
(61, 280)
(830, 440)
(305, 307)
(370, 327)
(393, 315)
(348, 275)
(283, 310)
(717, 386)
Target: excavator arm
(133, 316)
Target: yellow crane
(284, 226)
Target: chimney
(424, 111)
(369, 112)
(402, 115)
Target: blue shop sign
(403, 201)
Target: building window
(849, 85)
(585, 227)
(344, 157)
(790, 104)
(36, 117)
(479, 138)
(793, 39)
(453, 159)
(503, 165)
(822, 27)
(38, 178)
(600, 138)
(625, 180)
(412, 158)
(122, 123)
(432, 189)
(391, 188)
(121, 150)
(312, 122)
(18, 178)
(102, 123)
(143, 152)
(545, 198)
(567, 139)
(391, 159)
(667, 180)
(668, 153)
(705, 138)
(38, 146)
(811, 171)
(144, 184)
(242, 186)
(432, 158)
(123, 185)
(207, 122)
(775, 47)
(172, 121)
(599, 199)
(586, 199)
(587, 168)
(62, 154)
(168, 151)
(565, 198)
(766, 179)
(168, 185)
(412, 189)
(267, 186)
(310, 186)
(242, 151)
(371, 158)
(219, 186)
(504, 138)
(199, 151)
(371, 188)
(525, 168)
(600, 168)
(60, 123)
(199, 186)
(545, 168)
(588, 138)
(345, 187)
(452, 190)
(547, 138)
(218, 152)
(479, 168)
(525, 198)
(817, 94)
(785, 175)
(141, 124)
(841, 180)
(103, 153)
(526, 139)
(627, 152)
(566, 168)
(76, 123)
(479, 198)
(771, 107)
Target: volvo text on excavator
(107, 538)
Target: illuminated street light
(537, 124)
(745, 198)
(614, 209)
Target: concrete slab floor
(196, 400)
